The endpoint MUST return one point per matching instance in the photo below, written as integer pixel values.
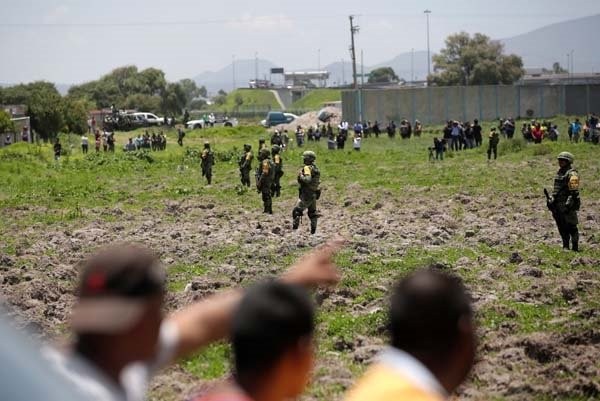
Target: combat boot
(575, 247)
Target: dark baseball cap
(116, 286)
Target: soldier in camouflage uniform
(245, 164)
(208, 160)
(309, 179)
(278, 165)
(265, 173)
(564, 202)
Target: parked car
(276, 118)
(149, 118)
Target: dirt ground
(37, 283)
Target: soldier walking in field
(278, 165)
(245, 164)
(564, 202)
(208, 160)
(494, 139)
(265, 173)
(309, 178)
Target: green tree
(475, 60)
(44, 106)
(6, 124)
(173, 99)
(383, 74)
(190, 89)
(557, 69)
(142, 102)
(76, 115)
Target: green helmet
(310, 155)
(566, 156)
(247, 147)
(275, 149)
(207, 144)
(264, 154)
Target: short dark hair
(425, 311)
(271, 317)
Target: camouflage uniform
(208, 160)
(245, 164)
(278, 165)
(265, 173)
(565, 201)
(309, 180)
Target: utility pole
(256, 67)
(572, 61)
(233, 67)
(412, 66)
(427, 12)
(353, 30)
(362, 69)
(319, 64)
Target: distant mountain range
(539, 48)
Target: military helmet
(309, 154)
(264, 153)
(247, 147)
(207, 144)
(566, 156)
(275, 149)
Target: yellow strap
(574, 182)
(265, 167)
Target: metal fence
(436, 105)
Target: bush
(541, 150)
(514, 145)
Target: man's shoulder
(85, 379)
(382, 383)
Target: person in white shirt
(84, 143)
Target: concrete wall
(436, 105)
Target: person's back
(432, 342)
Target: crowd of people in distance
(152, 141)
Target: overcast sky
(71, 41)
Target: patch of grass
(211, 363)
(252, 99)
(316, 97)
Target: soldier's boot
(209, 179)
(575, 241)
(296, 215)
(313, 216)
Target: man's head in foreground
(120, 304)
(272, 333)
(431, 319)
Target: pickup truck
(276, 118)
(219, 122)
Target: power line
(259, 18)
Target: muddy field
(537, 306)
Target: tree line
(124, 88)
